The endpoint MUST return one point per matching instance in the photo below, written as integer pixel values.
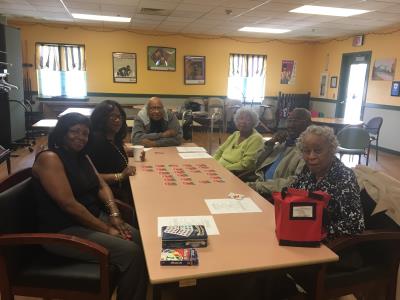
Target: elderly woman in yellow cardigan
(239, 151)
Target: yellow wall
(382, 46)
(311, 59)
(99, 46)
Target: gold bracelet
(114, 214)
(117, 177)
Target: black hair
(99, 119)
(65, 122)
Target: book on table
(179, 257)
(184, 236)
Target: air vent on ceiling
(154, 11)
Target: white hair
(246, 111)
(323, 131)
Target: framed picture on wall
(124, 67)
(333, 82)
(195, 69)
(323, 84)
(395, 89)
(161, 58)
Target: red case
(298, 217)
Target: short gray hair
(323, 131)
(246, 111)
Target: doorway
(353, 85)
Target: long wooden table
(247, 242)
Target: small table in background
(336, 123)
(82, 110)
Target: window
(246, 80)
(61, 70)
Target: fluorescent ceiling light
(328, 11)
(264, 30)
(101, 18)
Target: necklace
(120, 153)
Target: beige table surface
(246, 242)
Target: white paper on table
(190, 149)
(194, 155)
(207, 221)
(146, 149)
(231, 206)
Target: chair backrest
(374, 125)
(352, 137)
(17, 206)
(187, 123)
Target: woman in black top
(106, 148)
(71, 197)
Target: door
(353, 85)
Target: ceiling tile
(242, 4)
(195, 7)
(185, 13)
(205, 2)
(118, 2)
(81, 5)
(44, 2)
(180, 19)
(207, 22)
(148, 17)
(217, 16)
(126, 9)
(158, 4)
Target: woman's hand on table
(128, 171)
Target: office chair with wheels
(373, 127)
(27, 269)
(353, 141)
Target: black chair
(353, 140)
(5, 155)
(373, 127)
(187, 125)
(368, 262)
(26, 269)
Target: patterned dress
(345, 210)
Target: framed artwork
(195, 69)
(161, 58)
(124, 67)
(395, 91)
(333, 82)
(288, 72)
(358, 40)
(323, 84)
(384, 69)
